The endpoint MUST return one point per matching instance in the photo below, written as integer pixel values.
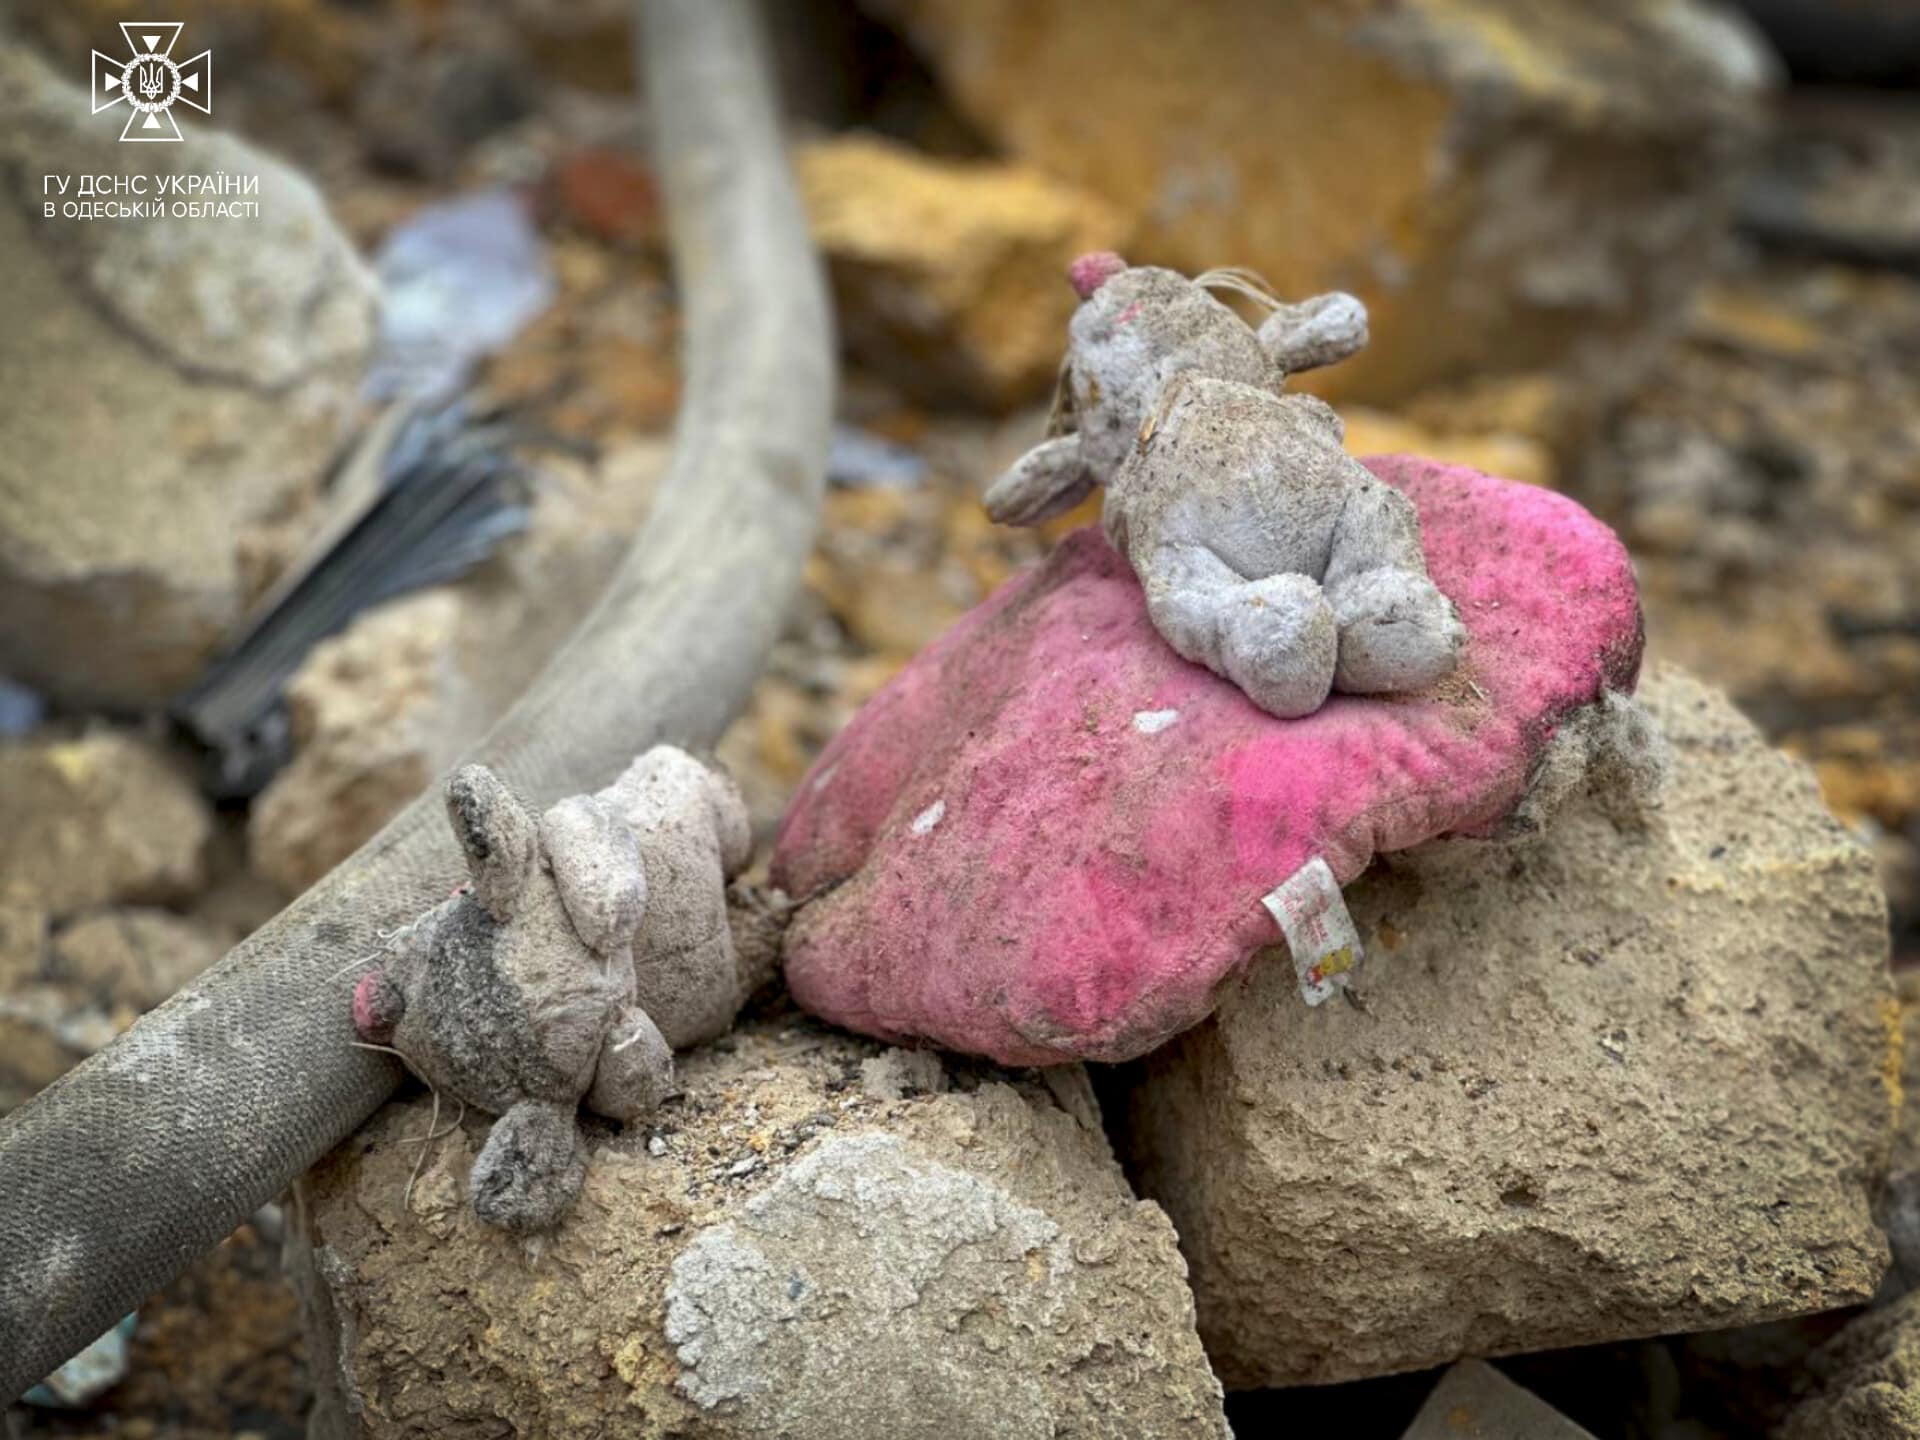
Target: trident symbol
(150, 82)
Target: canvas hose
(145, 1156)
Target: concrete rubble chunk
(134, 957)
(950, 276)
(23, 942)
(789, 1249)
(1630, 1077)
(1865, 1382)
(1474, 1401)
(176, 387)
(392, 701)
(1512, 186)
(364, 710)
(45, 1030)
(1900, 1205)
(95, 820)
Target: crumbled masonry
(588, 946)
(1629, 1076)
(1268, 554)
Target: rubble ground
(1763, 468)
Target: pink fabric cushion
(1048, 838)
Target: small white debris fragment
(1152, 722)
(88, 1375)
(929, 817)
(656, 1147)
(896, 1074)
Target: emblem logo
(150, 80)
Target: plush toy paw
(1397, 632)
(531, 1169)
(1048, 480)
(635, 1073)
(1274, 637)
(1277, 643)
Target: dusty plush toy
(588, 946)
(1267, 553)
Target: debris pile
(1615, 1096)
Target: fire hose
(118, 1175)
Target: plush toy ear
(1315, 332)
(597, 870)
(497, 834)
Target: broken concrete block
(176, 386)
(781, 1252)
(1865, 1382)
(949, 275)
(1474, 1401)
(1629, 1077)
(96, 820)
(1511, 188)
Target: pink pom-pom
(1093, 270)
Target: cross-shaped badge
(150, 80)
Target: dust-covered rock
(782, 1252)
(389, 703)
(176, 386)
(364, 708)
(45, 1030)
(1510, 188)
(103, 819)
(134, 957)
(32, 1056)
(1865, 1382)
(95, 820)
(1900, 1203)
(895, 1074)
(1633, 1076)
(23, 942)
(949, 276)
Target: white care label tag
(1318, 928)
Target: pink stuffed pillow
(1049, 837)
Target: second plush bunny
(1267, 553)
(588, 945)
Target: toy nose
(377, 1006)
(1093, 270)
